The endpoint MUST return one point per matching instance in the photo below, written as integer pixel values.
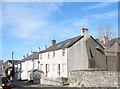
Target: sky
(25, 26)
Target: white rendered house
(78, 53)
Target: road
(50, 88)
(28, 85)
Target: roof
(112, 41)
(5, 64)
(33, 56)
(64, 44)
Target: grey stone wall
(51, 81)
(94, 78)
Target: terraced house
(78, 53)
(55, 63)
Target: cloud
(106, 15)
(28, 20)
(87, 20)
(83, 22)
(100, 5)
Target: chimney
(31, 52)
(45, 47)
(38, 49)
(105, 40)
(23, 56)
(53, 42)
(84, 32)
(27, 55)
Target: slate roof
(33, 56)
(64, 44)
(112, 41)
(5, 64)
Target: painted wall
(96, 53)
(24, 69)
(54, 63)
(77, 56)
(32, 64)
(30, 68)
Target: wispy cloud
(27, 21)
(100, 5)
(87, 20)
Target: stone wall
(49, 81)
(94, 78)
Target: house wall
(51, 64)
(32, 64)
(30, 69)
(95, 54)
(114, 48)
(36, 63)
(113, 61)
(24, 69)
(77, 56)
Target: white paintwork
(76, 57)
(32, 64)
(24, 70)
(53, 63)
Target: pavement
(30, 85)
(18, 84)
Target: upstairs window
(53, 53)
(48, 55)
(63, 52)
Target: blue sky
(28, 25)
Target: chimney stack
(105, 40)
(84, 32)
(53, 42)
(23, 56)
(38, 49)
(31, 52)
(45, 47)
(27, 55)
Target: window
(63, 67)
(48, 55)
(59, 69)
(47, 68)
(53, 53)
(63, 52)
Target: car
(1, 87)
(5, 83)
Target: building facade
(78, 53)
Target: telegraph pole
(12, 65)
(12, 57)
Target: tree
(105, 30)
